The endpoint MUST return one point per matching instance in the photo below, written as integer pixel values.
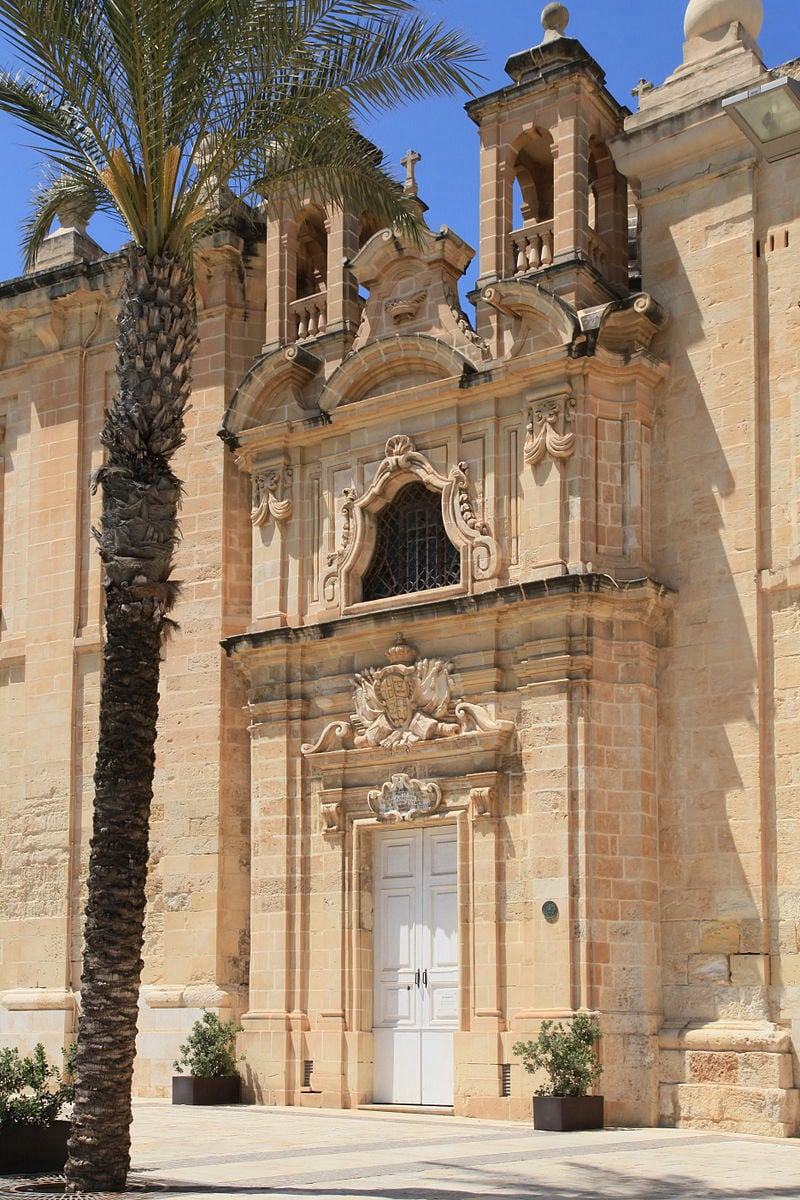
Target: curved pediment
(380, 255)
(275, 379)
(544, 320)
(393, 364)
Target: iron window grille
(412, 550)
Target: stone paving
(300, 1154)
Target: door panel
(442, 852)
(436, 1067)
(398, 859)
(416, 966)
(443, 916)
(397, 924)
(396, 1071)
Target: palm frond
(58, 196)
(137, 91)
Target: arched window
(532, 172)
(412, 550)
(312, 256)
(593, 195)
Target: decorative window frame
(403, 464)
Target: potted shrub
(209, 1059)
(568, 1054)
(33, 1093)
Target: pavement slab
(250, 1152)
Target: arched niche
(392, 363)
(402, 465)
(308, 272)
(608, 212)
(276, 380)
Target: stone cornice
(585, 72)
(506, 378)
(595, 590)
(701, 139)
(61, 281)
(477, 745)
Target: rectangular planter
(559, 1114)
(30, 1149)
(198, 1089)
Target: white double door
(416, 966)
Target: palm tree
(142, 107)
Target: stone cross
(409, 162)
(642, 87)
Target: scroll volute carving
(332, 813)
(483, 804)
(403, 463)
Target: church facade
(483, 708)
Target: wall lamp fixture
(769, 115)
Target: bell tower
(553, 205)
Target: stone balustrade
(308, 316)
(531, 247)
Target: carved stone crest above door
(407, 702)
(402, 798)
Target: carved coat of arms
(408, 701)
(404, 702)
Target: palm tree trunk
(157, 334)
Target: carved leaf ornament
(406, 702)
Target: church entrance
(416, 966)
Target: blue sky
(630, 39)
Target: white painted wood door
(416, 966)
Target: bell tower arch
(553, 205)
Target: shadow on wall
(704, 530)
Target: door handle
(416, 977)
(425, 977)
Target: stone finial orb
(555, 18)
(704, 15)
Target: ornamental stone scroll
(402, 464)
(402, 798)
